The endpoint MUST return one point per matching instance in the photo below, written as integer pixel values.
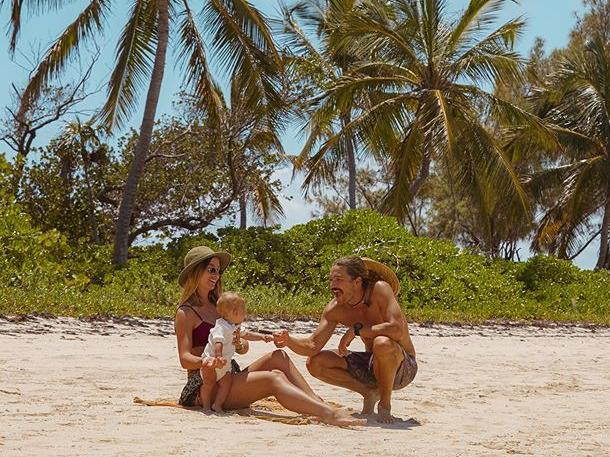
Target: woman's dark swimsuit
(200, 336)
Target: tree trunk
(602, 260)
(121, 239)
(423, 174)
(351, 164)
(95, 236)
(243, 214)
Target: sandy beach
(67, 388)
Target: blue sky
(550, 19)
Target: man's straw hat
(385, 272)
(199, 254)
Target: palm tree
(426, 107)
(84, 140)
(240, 38)
(576, 100)
(317, 66)
(248, 131)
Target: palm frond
(265, 202)
(581, 198)
(479, 14)
(31, 7)
(134, 59)
(61, 51)
(197, 76)
(492, 58)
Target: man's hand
(280, 338)
(346, 340)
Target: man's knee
(314, 365)
(384, 347)
(280, 358)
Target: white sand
(66, 388)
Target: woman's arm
(185, 343)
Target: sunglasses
(214, 270)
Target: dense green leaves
(285, 274)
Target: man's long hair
(356, 268)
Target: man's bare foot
(342, 418)
(384, 415)
(369, 400)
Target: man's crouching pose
(365, 300)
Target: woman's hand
(346, 340)
(219, 362)
(210, 363)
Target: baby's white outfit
(222, 332)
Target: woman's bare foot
(384, 415)
(342, 418)
(369, 400)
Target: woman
(273, 374)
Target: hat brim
(224, 257)
(385, 272)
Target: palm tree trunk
(121, 240)
(351, 164)
(423, 174)
(602, 260)
(243, 215)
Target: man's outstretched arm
(309, 345)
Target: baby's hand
(219, 362)
(267, 338)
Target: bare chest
(367, 315)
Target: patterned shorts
(190, 392)
(360, 366)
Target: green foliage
(286, 274)
(540, 271)
(434, 274)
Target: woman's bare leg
(247, 387)
(279, 360)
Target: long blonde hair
(192, 281)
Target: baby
(232, 309)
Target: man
(365, 301)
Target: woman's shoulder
(187, 311)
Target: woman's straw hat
(385, 272)
(199, 254)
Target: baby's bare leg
(224, 386)
(205, 393)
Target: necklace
(359, 301)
